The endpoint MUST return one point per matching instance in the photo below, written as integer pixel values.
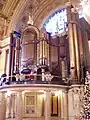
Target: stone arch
(20, 7)
(32, 28)
(50, 14)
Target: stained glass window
(57, 22)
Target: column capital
(48, 90)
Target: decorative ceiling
(39, 10)
(15, 13)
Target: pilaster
(19, 105)
(2, 106)
(47, 105)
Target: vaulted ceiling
(14, 13)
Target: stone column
(62, 106)
(2, 107)
(19, 106)
(13, 105)
(71, 42)
(65, 102)
(47, 106)
(76, 42)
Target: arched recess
(29, 39)
(32, 29)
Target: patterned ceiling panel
(2, 2)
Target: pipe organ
(63, 55)
(46, 72)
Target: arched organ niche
(66, 55)
(29, 41)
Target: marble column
(47, 105)
(19, 106)
(62, 106)
(2, 107)
(65, 102)
(13, 105)
(76, 42)
(71, 43)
